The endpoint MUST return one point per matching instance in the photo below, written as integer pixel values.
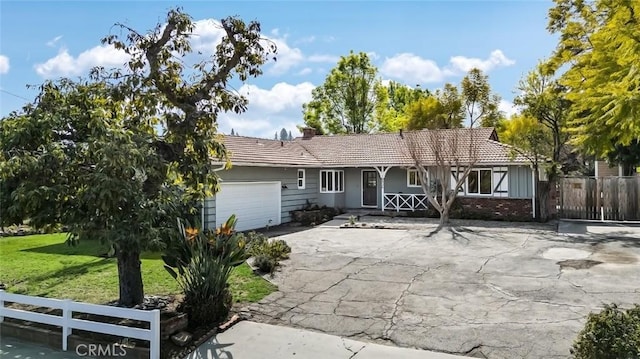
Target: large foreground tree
(87, 153)
(600, 48)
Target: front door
(369, 189)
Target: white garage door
(255, 204)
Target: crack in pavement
(409, 292)
(397, 302)
(353, 352)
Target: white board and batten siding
(255, 204)
(500, 181)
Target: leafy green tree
(86, 153)
(599, 46)
(479, 103)
(533, 140)
(346, 101)
(442, 111)
(627, 156)
(392, 101)
(543, 98)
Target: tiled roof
(358, 150)
(249, 150)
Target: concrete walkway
(250, 340)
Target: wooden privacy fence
(68, 323)
(600, 198)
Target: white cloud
(206, 36)
(64, 64)
(4, 64)
(269, 110)
(305, 71)
(54, 41)
(508, 108)
(286, 57)
(282, 96)
(496, 59)
(373, 55)
(410, 67)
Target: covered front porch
(376, 188)
(399, 200)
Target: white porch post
(382, 172)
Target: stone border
(53, 339)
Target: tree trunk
(130, 277)
(444, 216)
(544, 190)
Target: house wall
(520, 182)
(335, 200)
(505, 209)
(353, 187)
(519, 177)
(292, 197)
(603, 169)
(395, 182)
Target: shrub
(258, 245)
(611, 334)
(313, 214)
(202, 263)
(265, 264)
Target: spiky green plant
(202, 263)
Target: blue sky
(414, 42)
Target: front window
(413, 179)
(331, 181)
(479, 182)
(301, 179)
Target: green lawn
(43, 265)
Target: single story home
(269, 178)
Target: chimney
(308, 133)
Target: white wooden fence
(404, 201)
(68, 323)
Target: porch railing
(404, 202)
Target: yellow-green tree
(533, 140)
(600, 45)
(444, 110)
(392, 101)
(543, 98)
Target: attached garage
(255, 204)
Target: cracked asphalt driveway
(484, 291)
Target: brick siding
(506, 209)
